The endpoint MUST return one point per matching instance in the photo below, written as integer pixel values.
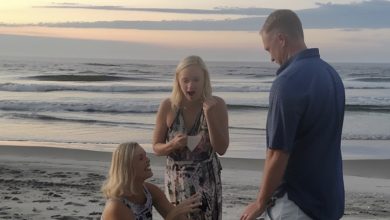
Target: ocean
(96, 104)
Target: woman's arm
(215, 111)
(116, 210)
(160, 147)
(167, 210)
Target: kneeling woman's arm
(169, 211)
(116, 210)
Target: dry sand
(55, 183)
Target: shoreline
(58, 183)
(371, 168)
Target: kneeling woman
(130, 197)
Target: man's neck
(295, 49)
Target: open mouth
(191, 93)
(148, 168)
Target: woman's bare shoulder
(166, 101)
(153, 189)
(115, 209)
(166, 105)
(220, 100)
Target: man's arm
(274, 167)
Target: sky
(218, 30)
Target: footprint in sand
(74, 203)
(52, 194)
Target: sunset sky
(220, 30)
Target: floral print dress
(189, 172)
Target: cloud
(368, 14)
(215, 11)
(243, 24)
(31, 46)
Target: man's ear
(282, 38)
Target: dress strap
(198, 125)
(175, 120)
(141, 209)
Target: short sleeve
(285, 111)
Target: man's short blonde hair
(284, 21)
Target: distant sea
(96, 104)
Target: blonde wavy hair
(177, 95)
(120, 180)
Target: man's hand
(252, 211)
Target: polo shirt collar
(307, 53)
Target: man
(302, 177)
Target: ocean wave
(73, 120)
(250, 75)
(16, 87)
(101, 64)
(127, 71)
(84, 78)
(365, 137)
(10, 105)
(263, 75)
(246, 106)
(366, 87)
(348, 107)
(242, 88)
(372, 79)
(90, 72)
(44, 117)
(246, 128)
(143, 65)
(138, 65)
(368, 108)
(103, 107)
(66, 69)
(141, 106)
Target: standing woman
(191, 128)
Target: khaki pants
(284, 209)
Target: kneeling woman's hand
(189, 205)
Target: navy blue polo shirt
(305, 119)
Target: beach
(72, 88)
(59, 183)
